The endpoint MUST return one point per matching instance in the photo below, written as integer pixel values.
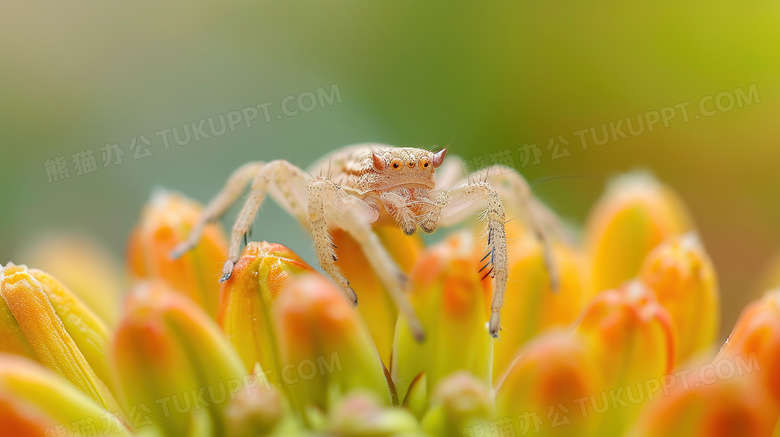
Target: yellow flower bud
(44, 321)
(176, 370)
(683, 279)
(325, 347)
(246, 300)
(453, 306)
(34, 399)
(635, 215)
(166, 221)
(547, 388)
(631, 335)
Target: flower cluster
(628, 344)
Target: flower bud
(453, 306)
(324, 345)
(360, 414)
(166, 221)
(376, 307)
(755, 341)
(459, 402)
(631, 335)
(247, 297)
(44, 321)
(548, 388)
(635, 215)
(683, 279)
(175, 368)
(33, 399)
(699, 407)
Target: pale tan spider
(375, 183)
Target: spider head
(406, 167)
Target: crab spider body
(374, 183)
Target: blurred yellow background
(484, 79)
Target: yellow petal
(166, 221)
(173, 364)
(635, 215)
(453, 305)
(87, 268)
(324, 345)
(246, 300)
(376, 307)
(55, 402)
(683, 279)
(63, 333)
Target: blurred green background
(485, 78)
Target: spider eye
(396, 164)
(410, 164)
(425, 163)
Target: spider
(375, 183)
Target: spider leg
(518, 200)
(329, 201)
(233, 188)
(286, 184)
(450, 204)
(397, 206)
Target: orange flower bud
(453, 306)
(42, 320)
(635, 215)
(176, 370)
(547, 387)
(683, 279)
(631, 335)
(738, 406)
(165, 222)
(247, 297)
(376, 307)
(324, 345)
(756, 336)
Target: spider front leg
(350, 213)
(235, 185)
(286, 184)
(449, 204)
(397, 206)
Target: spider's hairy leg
(324, 194)
(233, 188)
(518, 199)
(449, 205)
(284, 181)
(356, 216)
(397, 206)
